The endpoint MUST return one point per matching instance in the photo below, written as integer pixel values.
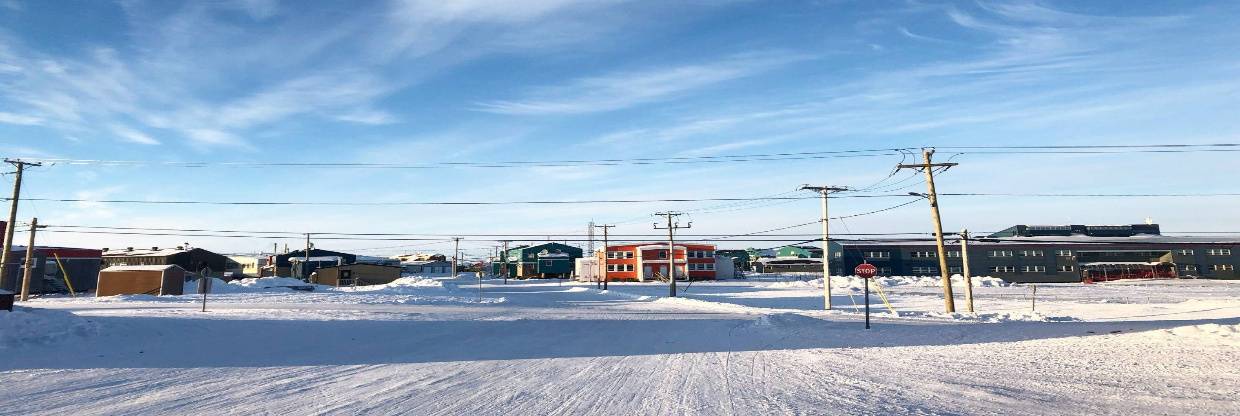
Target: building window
(1031, 253)
(955, 269)
(1063, 269)
(1186, 252)
(692, 267)
(953, 254)
(1001, 253)
(1063, 253)
(1222, 267)
(1219, 252)
(919, 270)
(877, 255)
(1033, 269)
(1188, 267)
(612, 267)
(662, 254)
(884, 271)
(922, 254)
(708, 267)
(547, 263)
(1003, 269)
(838, 254)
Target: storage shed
(166, 279)
(359, 274)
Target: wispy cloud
(134, 136)
(629, 88)
(19, 119)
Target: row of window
(619, 254)
(701, 254)
(701, 267)
(928, 270)
(1014, 253)
(619, 267)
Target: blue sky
(428, 81)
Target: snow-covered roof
(148, 267)
(552, 254)
(139, 252)
(317, 258)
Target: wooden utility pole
(964, 260)
(928, 167)
(305, 262)
(503, 266)
(456, 253)
(826, 243)
(603, 264)
(29, 264)
(671, 247)
(9, 226)
(275, 251)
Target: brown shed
(141, 280)
(357, 273)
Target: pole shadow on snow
(163, 342)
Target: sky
(410, 82)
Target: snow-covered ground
(762, 345)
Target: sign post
(866, 271)
(204, 286)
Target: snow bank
(858, 283)
(412, 284)
(1202, 334)
(25, 326)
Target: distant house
(427, 268)
(798, 252)
(248, 265)
(740, 258)
(284, 262)
(192, 260)
(548, 260)
(356, 274)
(163, 279)
(51, 267)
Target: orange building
(648, 261)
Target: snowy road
(548, 348)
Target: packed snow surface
(762, 345)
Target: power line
(621, 201)
(1043, 149)
(498, 164)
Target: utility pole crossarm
(927, 165)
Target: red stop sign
(865, 270)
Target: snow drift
(24, 326)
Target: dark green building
(548, 260)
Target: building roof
(358, 264)
(140, 252)
(149, 267)
(1058, 240)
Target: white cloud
(132, 135)
(625, 89)
(19, 119)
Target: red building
(648, 261)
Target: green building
(548, 260)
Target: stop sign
(865, 270)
